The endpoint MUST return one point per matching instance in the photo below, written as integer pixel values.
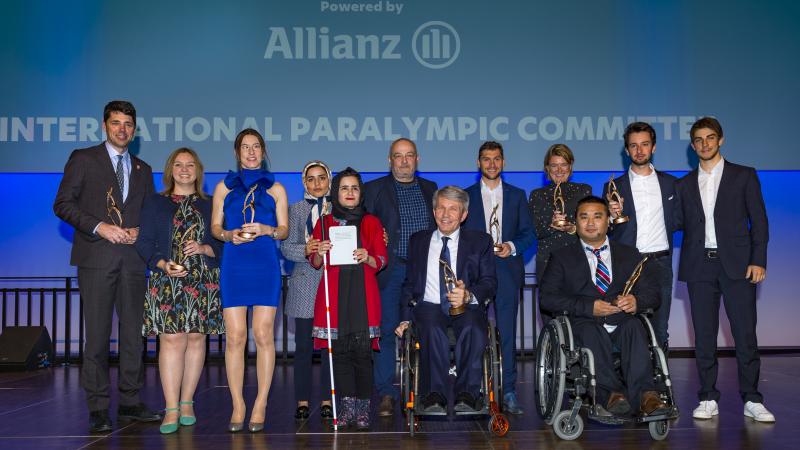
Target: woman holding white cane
(303, 284)
(353, 325)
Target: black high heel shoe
(301, 412)
(326, 411)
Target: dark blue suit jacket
(568, 285)
(626, 232)
(475, 267)
(516, 221)
(740, 222)
(155, 232)
(380, 199)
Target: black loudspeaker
(25, 348)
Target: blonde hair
(169, 181)
(558, 150)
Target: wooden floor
(46, 409)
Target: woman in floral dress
(182, 302)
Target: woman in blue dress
(250, 213)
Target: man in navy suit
(402, 201)
(724, 252)
(512, 233)
(427, 302)
(648, 200)
(586, 280)
(101, 196)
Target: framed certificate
(344, 241)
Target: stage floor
(46, 409)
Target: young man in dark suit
(648, 200)
(402, 201)
(427, 302)
(101, 196)
(586, 280)
(724, 253)
(512, 233)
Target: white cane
(328, 317)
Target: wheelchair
(491, 387)
(563, 368)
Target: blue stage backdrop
(338, 80)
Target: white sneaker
(706, 410)
(758, 412)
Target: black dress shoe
(326, 411)
(99, 422)
(465, 402)
(139, 413)
(301, 412)
(434, 403)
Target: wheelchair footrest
(420, 412)
(478, 412)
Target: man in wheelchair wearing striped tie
(585, 281)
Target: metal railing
(52, 302)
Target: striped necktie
(120, 177)
(602, 277)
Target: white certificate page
(344, 241)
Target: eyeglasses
(246, 147)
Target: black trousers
(471, 339)
(662, 270)
(740, 306)
(352, 365)
(303, 354)
(630, 339)
(103, 290)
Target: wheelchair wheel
(658, 430)
(498, 424)
(407, 389)
(550, 373)
(567, 429)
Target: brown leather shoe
(618, 404)
(386, 408)
(652, 404)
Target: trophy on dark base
(450, 284)
(613, 196)
(249, 205)
(114, 214)
(559, 206)
(494, 230)
(178, 264)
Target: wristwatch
(274, 233)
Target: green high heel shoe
(168, 428)
(187, 420)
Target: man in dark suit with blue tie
(403, 202)
(648, 201)
(501, 210)
(586, 280)
(101, 196)
(724, 253)
(428, 302)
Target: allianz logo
(434, 44)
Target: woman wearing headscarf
(354, 299)
(303, 283)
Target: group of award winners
(421, 253)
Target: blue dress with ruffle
(250, 273)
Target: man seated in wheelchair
(586, 281)
(450, 278)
